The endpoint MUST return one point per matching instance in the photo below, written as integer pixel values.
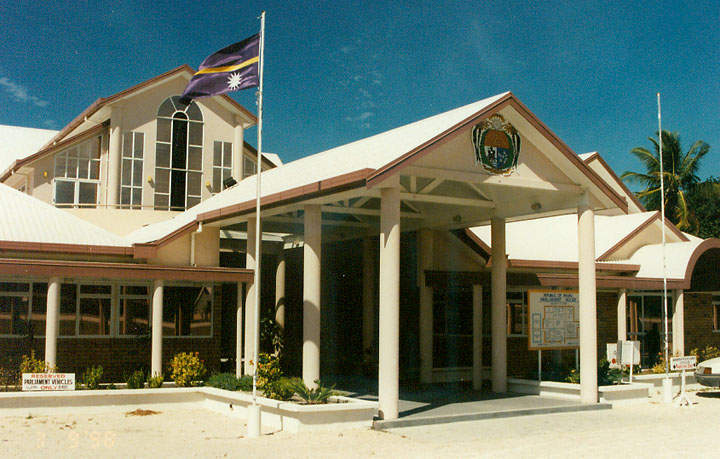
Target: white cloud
(361, 117)
(21, 94)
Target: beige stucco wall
(450, 254)
(178, 252)
(138, 114)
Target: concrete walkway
(444, 403)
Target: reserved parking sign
(48, 381)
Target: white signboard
(554, 320)
(683, 363)
(48, 381)
(628, 352)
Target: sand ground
(637, 430)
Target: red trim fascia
(130, 271)
(52, 148)
(425, 148)
(572, 265)
(571, 280)
(479, 242)
(312, 190)
(595, 156)
(65, 248)
(703, 247)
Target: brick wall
(699, 322)
(606, 321)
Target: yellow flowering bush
(187, 369)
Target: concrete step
(412, 421)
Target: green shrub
(225, 381)
(245, 383)
(155, 382)
(710, 352)
(278, 389)
(34, 365)
(605, 375)
(136, 380)
(269, 375)
(315, 396)
(268, 370)
(91, 378)
(187, 369)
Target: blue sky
(588, 70)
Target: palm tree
(679, 174)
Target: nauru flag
(233, 68)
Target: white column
(368, 316)
(157, 331)
(238, 332)
(250, 258)
(51, 321)
(622, 314)
(498, 277)
(389, 366)
(238, 142)
(678, 323)
(477, 337)
(587, 296)
(114, 155)
(311, 295)
(425, 257)
(280, 290)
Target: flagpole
(667, 389)
(254, 425)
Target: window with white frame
(105, 310)
(77, 175)
(516, 313)
(85, 310)
(249, 167)
(645, 324)
(187, 310)
(134, 310)
(132, 169)
(22, 308)
(178, 155)
(222, 164)
(14, 308)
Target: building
(414, 250)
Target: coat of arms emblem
(497, 145)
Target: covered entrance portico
(425, 178)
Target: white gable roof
(20, 142)
(556, 238)
(370, 153)
(27, 219)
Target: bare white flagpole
(664, 256)
(258, 237)
(254, 424)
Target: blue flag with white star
(233, 68)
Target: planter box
(569, 391)
(340, 413)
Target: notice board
(553, 319)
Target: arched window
(178, 155)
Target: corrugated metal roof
(556, 238)
(24, 218)
(372, 152)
